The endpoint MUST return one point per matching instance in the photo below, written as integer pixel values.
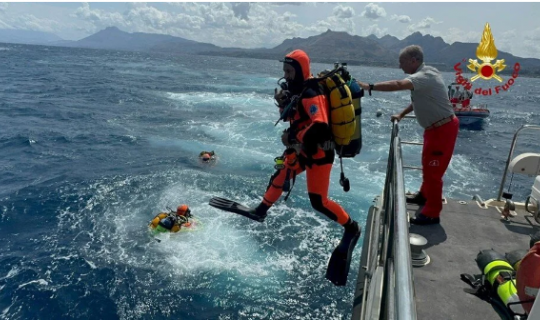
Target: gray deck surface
(453, 246)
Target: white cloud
(248, 25)
(342, 19)
(456, 35)
(373, 11)
(241, 9)
(530, 49)
(30, 22)
(223, 24)
(401, 18)
(528, 46)
(290, 3)
(343, 12)
(220, 24)
(426, 23)
(4, 25)
(139, 17)
(270, 28)
(375, 30)
(320, 26)
(97, 19)
(149, 19)
(531, 35)
(26, 21)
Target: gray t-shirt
(429, 96)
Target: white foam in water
(226, 244)
(90, 263)
(287, 254)
(5, 311)
(12, 272)
(281, 258)
(220, 245)
(38, 281)
(249, 104)
(459, 172)
(217, 247)
(252, 117)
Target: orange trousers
(436, 155)
(318, 182)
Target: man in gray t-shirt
(429, 97)
(434, 112)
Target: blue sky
(515, 26)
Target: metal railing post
(405, 302)
(512, 147)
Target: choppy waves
(97, 142)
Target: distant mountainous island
(327, 47)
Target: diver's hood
(300, 61)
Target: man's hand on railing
(396, 117)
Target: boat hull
(471, 117)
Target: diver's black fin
(340, 261)
(235, 207)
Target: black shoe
(351, 232)
(257, 214)
(260, 212)
(340, 261)
(421, 219)
(417, 198)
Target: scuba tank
(343, 94)
(515, 257)
(341, 115)
(500, 275)
(354, 147)
(166, 223)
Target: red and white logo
(486, 52)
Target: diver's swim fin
(340, 261)
(235, 207)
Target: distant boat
(472, 114)
(467, 114)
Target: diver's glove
(288, 138)
(282, 97)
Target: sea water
(94, 143)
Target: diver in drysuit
(306, 141)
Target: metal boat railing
(388, 279)
(385, 288)
(512, 147)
